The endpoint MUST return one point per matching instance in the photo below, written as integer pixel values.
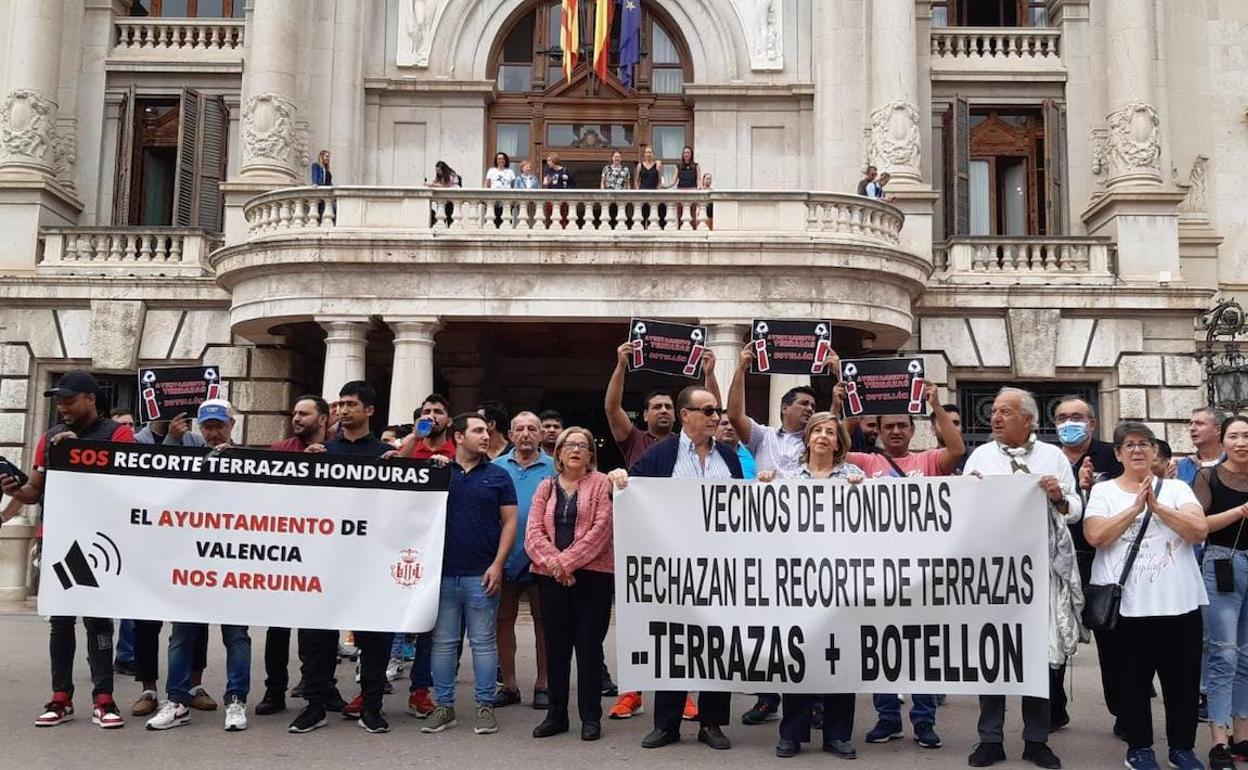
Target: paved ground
(1087, 743)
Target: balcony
(985, 53)
(176, 44)
(1023, 260)
(321, 251)
(125, 251)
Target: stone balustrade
(161, 38)
(1011, 259)
(119, 251)
(962, 50)
(640, 214)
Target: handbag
(1102, 604)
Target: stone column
(893, 140)
(412, 379)
(346, 87)
(345, 341)
(1133, 126)
(840, 74)
(725, 338)
(29, 112)
(780, 384)
(273, 146)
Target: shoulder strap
(896, 467)
(1135, 545)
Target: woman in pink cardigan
(568, 538)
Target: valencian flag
(602, 36)
(630, 40)
(570, 36)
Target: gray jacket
(190, 438)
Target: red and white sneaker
(105, 714)
(419, 704)
(355, 708)
(59, 709)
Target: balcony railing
(1004, 49)
(638, 214)
(1015, 258)
(118, 251)
(156, 38)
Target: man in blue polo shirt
(528, 466)
(480, 530)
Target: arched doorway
(586, 119)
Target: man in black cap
(76, 393)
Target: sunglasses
(709, 411)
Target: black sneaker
(298, 691)
(505, 697)
(1220, 758)
(986, 755)
(1202, 713)
(373, 722)
(335, 702)
(273, 702)
(1039, 754)
(609, 689)
(762, 711)
(308, 720)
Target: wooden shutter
(957, 159)
(202, 125)
(1055, 214)
(212, 151)
(190, 113)
(122, 173)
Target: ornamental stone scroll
(28, 128)
(893, 138)
(1134, 140)
(269, 131)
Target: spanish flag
(570, 36)
(602, 37)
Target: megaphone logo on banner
(214, 385)
(639, 345)
(821, 349)
(851, 389)
(152, 409)
(916, 387)
(80, 568)
(695, 353)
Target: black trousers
(63, 643)
(147, 650)
(1109, 684)
(1057, 696)
(1170, 647)
(374, 647)
(318, 655)
(277, 660)
(576, 619)
(838, 717)
(713, 709)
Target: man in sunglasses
(692, 453)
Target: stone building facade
(1066, 197)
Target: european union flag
(630, 39)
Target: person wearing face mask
(1092, 461)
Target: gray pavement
(1087, 743)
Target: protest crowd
(529, 516)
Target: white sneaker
(393, 668)
(235, 716)
(170, 715)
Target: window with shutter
(184, 188)
(125, 160)
(201, 161)
(957, 157)
(1056, 213)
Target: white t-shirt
(500, 178)
(1165, 579)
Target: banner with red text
(243, 537)
(915, 585)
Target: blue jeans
(181, 659)
(463, 603)
(422, 665)
(1226, 622)
(922, 709)
(124, 648)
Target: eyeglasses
(575, 445)
(709, 411)
(1142, 446)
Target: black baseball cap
(73, 382)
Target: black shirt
(367, 445)
(565, 518)
(1105, 466)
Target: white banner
(908, 585)
(244, 537)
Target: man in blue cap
(75, 393)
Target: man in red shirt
(76, 392)
(309, 421)
(437, 410)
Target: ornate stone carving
(269, 131)
(65, 151)
(1195, 186)
(1100, 151)
(27, 126)
(893, 138)
(416, 22)
(1135, 139)
(768, 49)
